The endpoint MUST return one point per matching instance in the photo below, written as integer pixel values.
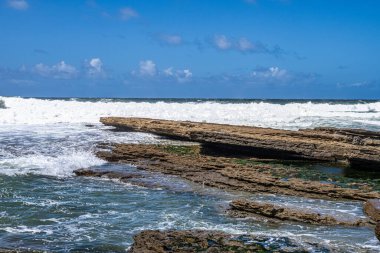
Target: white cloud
(60, 70)
(222, 42)
(95, 68)
(148, 68)
(128, 13)
(18, 4)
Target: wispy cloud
(40, 51)
(169, 39)
(181, 76)
(355, 84)
(222, 42)
(263, 76)
(128, 13)
(60, 70)
(18, 4)
(244, 45)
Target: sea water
(44, 206)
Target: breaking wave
(286, 115)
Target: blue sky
(190, 48)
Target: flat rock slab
(224, 173)
(372, 209)
(359, 148)
(154, 241)
(284, 213)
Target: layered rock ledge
(246, 208)
(154, 241)
(359, 148)
(220, 172)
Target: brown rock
(377, 231)
(210, 242)
(358, 147)
(224, 173)
(372, 209)
(292, 214)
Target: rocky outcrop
(224, 173)
(283, 213)
(360, 148)
(377, 231)
(372, 209)
(154, 241)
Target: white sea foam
(60, 166)
(290, 116)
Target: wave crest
(287, 115)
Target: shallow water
(43, 206)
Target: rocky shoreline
(221, 172)
(245, 159)
(359, 148)
(154, 241)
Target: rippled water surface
(44, 206)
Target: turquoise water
(44, 206)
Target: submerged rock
(154, 241)
(122, 176)
(225, 173)
(246, 208)
(359, 148)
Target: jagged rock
(372, 209)
(377, 231)
(224, 173)
(154, 241)
(360, 148)
(292, 214)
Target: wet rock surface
(377, 231)
(154, 241)
(283, 213)
(359, 148)
(224, 173)
(122, 176)
(372, 209)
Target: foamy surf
(61, 165)
(292, 115)
(50, 137)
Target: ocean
(44, 206)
